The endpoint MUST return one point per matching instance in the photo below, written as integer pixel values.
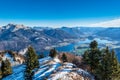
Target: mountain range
(17, 37)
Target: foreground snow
(68, 72)
(47, 66)
(47, 72)
(51, 69)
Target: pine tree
(64, 57)
(93, 56)
(104, 64)
(115, 69)
(31, 63)
(6, 68)
(116, 75)
(86, 58)
(109, 66)
(93, 44)
(53, 53)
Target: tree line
(103, 63)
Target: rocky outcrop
(69, 71)
(13, 57)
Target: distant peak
(14, 27)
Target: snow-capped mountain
(14, 27)
(17, 37)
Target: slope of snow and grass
(51, 69)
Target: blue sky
(56, 13)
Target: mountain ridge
(18, 37)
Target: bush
(53, 53)
(64, 57)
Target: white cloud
(110, 23)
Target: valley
(15, 41)
(18, 37)
(78, 47)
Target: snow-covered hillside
(51, 69)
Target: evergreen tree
(93, 44)
(6, 68)
(86, 58)
(64, 57)
(116, 75)
(109, 66)
(53, 53)
(115, 67)
(31, 63)
(105, 66)
(92, 56)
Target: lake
(71, 47)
